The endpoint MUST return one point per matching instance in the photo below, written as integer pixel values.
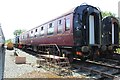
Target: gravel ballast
(13, 70)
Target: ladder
(56, 64)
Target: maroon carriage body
(61, 37)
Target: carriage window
(36, 30)
(59, 22)
(36, 33)
(67, 24)
(31, 34)
(59, 26)
(41, 28)
(42, 31)
(50, 25)
(50, 28)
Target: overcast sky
(27, 14)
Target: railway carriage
(110, 34)
(76, 33)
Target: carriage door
(91, 30)
(115, 33)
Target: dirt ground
(38, 74)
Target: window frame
(59, 26)
(67, 23)
(36, 30)
(42, 31)
(31, 33)
(50, 28)
(36, 33)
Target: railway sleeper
(99, 72)
(103, 64)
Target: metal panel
(91, 30)
(2, 54)
(113, 33)
(2, 61)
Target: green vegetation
(117, 50)
(8, 41)
(106, 13)
(15, 33)
(18, 32)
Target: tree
(7, 41)
(105, 13)
(18, 32)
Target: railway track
(96, 70)
(105, 69)
(107, 64)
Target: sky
(27, 14)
